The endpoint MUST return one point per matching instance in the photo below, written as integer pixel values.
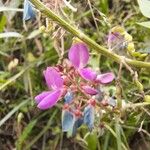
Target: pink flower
(48, 99)
(79, 56)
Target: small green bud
(139, 85)
(118, 29)
(128, 37)
(147, 98)
(20, 117)
(130, 47)
(42, 29)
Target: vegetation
(117, 36)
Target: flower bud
(147, 98)
(42, 29)
(130, 47)
(128, 37)
(13, 64)
(20, 117)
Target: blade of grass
(12, 79)
(27, 130)
(115, 135)
(23, 103)
(118, 135)
(43, 131)
(106, 142)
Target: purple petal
(87, 74)
(113, 36)
(53, 78)
(50, 100)
(105, 78)
(79, 55)
(41, 96)
(90, 90)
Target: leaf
(10, 34)
(144, 24)
(3, 120)
(91, 139)
(145, 7)
(2, 22)
(27, 130)
(42, 132)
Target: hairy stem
(76, 32)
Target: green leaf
(145, 7)
(144, 24)
(25, 134)
(3, 120)
(91, 139)
(2, 22)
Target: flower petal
(113, 36)
(90, 90)
(105, 78)
(53, 78)
(28, 12)
(112, 102)
(41, 96)
(89, 116)
(67, 120)
(50, 100)
(88, 74)
(79, 55)
(77, 123)
(68, 97)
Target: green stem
(73, 30)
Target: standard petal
(79, 55)
(105, 78)
(41, 96)
(50, 100)
(88, 74)
(53, 78)
(90, 90)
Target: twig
(100, 49)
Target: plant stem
(76, 32)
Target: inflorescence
(79, 86)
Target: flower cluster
(78, 85)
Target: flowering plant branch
(104, 51)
